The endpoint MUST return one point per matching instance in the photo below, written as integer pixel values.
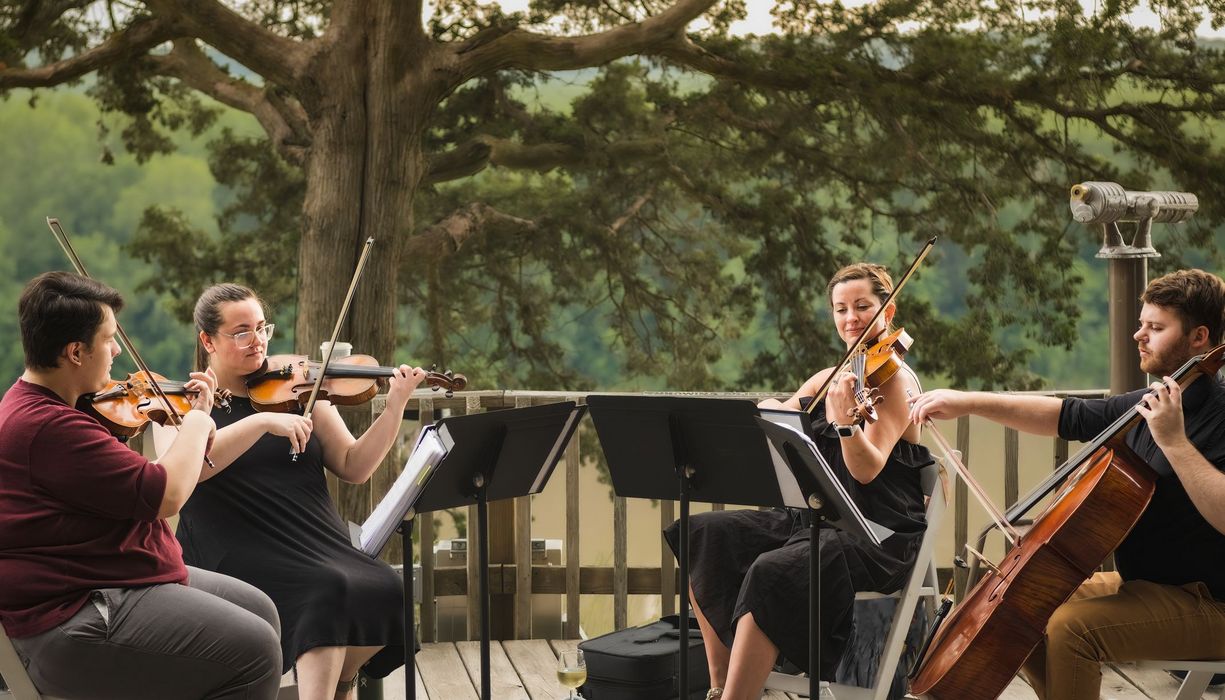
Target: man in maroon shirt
(96, 597)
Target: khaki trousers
(1109, 620)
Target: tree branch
(277, 59)
(517, 48)
(142, 35)
(449, 235)
(479, 153)
(36, 18)
(283, 120)
(681, 50)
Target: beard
(1164, 363)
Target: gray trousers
(217, 637)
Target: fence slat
(620, 565)
(667, 562)
(425, 527)
(1012, 462)
(523, 556)
(573, 557)
(961, 514)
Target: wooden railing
(513, 580)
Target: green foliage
(56, 170)
(668, 221)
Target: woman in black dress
(264, 518)
(749, 581)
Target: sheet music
(432, 446)
(781, 416)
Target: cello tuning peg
(449, 394)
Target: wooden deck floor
(526, 670)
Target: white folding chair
(1199, 675)
(921, 583)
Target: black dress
(270, 521)
(744, 561)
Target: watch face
(845, 430)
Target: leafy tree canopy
(696, 190)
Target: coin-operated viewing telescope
(1107, 203)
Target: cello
(978, 649)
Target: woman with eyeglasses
(267, 519)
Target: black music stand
(705, 450)
(495, 455)
(815, 487)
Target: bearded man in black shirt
(1167, 600)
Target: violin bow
(858, 344)
(176, 420)
(340, 319)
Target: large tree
(698, 188)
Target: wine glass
(571, 671)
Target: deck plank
(1154, 682)
(537, 667)
(503, 680)
(1018, 689)
(452, 671)
(560, 645)
(1117, 687)
(442, 671)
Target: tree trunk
(365, 165)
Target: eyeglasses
(246, 339)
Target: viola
(172, 414)
(285, 382)
(127, 406)
(873, 367)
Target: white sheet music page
(429, 452)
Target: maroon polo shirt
(78, 511)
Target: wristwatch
(845, 431)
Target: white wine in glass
(571, 671)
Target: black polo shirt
(1172, 543)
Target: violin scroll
(448, 380)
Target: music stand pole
(482, 520)
(683, 668)
(410, 632)
(814, 606)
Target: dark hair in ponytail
(208, 313)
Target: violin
(882, 360)
(127, 406)
(873, 366)
(285, 382)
